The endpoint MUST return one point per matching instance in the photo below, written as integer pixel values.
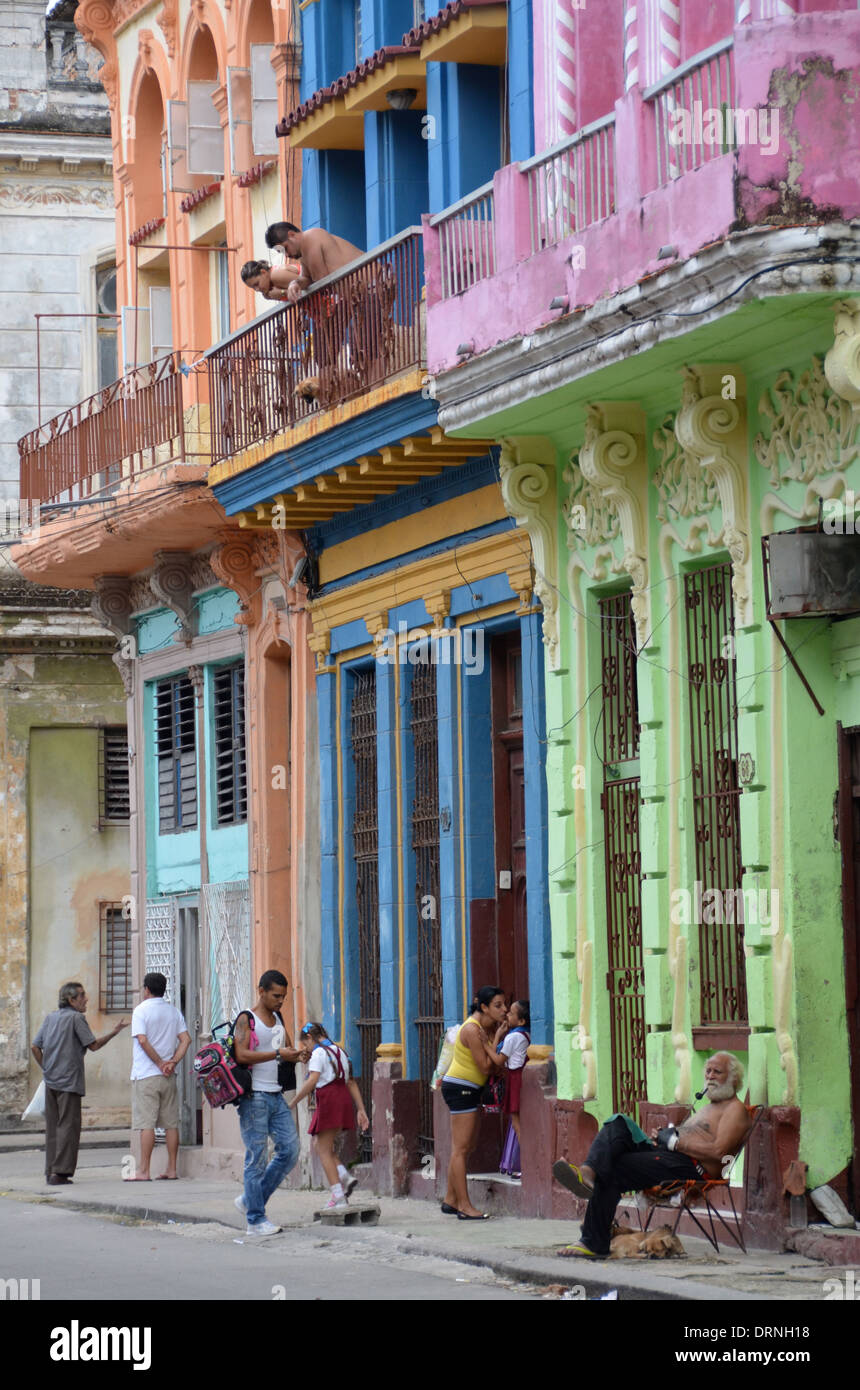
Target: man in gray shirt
(59, 1048)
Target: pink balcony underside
(808, 69)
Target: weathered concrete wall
(73, 867)
(76, 688)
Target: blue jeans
(261, 1114)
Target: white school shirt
(323, 1062)
(515, 1047)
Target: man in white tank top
(264, 1112)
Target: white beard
(717, 1093)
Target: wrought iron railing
(467, 241)
(694, 111)
(572, 185)
(354, 330)
(122, 429)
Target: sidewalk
(520, 1249)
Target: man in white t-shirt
(160, 1040)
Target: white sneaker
(349, 1186)
(240, 1204)
(336, 1204)
(263, 1228)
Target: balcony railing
(467, 241)
(124, 428)
(692, 107)
(354, 330)
(572, 185)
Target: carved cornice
(438, 605)
(813, 430)
(125, 666)
(319, 642)
(167, 20)
(111, 603)
(374, 622)
(613, 459)
(145, 41)
(527, 468)
(712, 428)
(171, 582)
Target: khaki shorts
(155, 1103)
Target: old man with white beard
(623, 1159)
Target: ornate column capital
(711, 428)
(197, 676)
(522, 580)
(842, 363)
(527, 466)
(319, 641)
(375, 622)
(614, 459)
(171, 582)
(438, 605)
(167, 20)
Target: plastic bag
(446, 1057)
(37, 1104)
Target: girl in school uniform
(512, 1041)
(338, 1100)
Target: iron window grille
(430, 1021)
(176, 742)
(716, 792)
(625, 980)
(365, 849)
(231, 783)
(113, 777)
(115, 992)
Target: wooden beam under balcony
(407, 70)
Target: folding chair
(683, 1193)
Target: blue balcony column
(383, 23)
(395, 156)
(521, 79)
(389, 850)
(463, 130)
(330, 943)
(333, 193)
(328, 45)
(450, 886)
(537, 878)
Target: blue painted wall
(521, 79)
(464, 104)
(333, 193)
(395, 162)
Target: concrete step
(352, 1216)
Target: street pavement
(414, 1251)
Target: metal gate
(429, 1021)
(227, 919)
(716, 792)
(625, 980)
(365, 838)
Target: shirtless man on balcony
(321, 253)
(623, 1159)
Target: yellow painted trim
(449, 518)
(475, 36)
(330, 127)
(317, 424)
(306, 4)
(401, 925)
(407, 70)
(474, 562)
(390, 1052)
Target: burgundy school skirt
(335, 1109)
(513, 1086)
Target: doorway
(509, 817)
(849, 840)
(190, 1003)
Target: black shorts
(460, 1098)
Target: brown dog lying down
(644, 1245)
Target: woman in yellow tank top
(474, 1060)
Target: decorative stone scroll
(111, 603)
(813, 430)
(711, 428)
(527, 467)
(172, 583)
(613, 459)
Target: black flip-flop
(448, 1210)
(463, 1216)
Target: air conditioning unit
(810, 574)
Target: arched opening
(205, 135)
(148, 134)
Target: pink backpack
(222, 1080)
